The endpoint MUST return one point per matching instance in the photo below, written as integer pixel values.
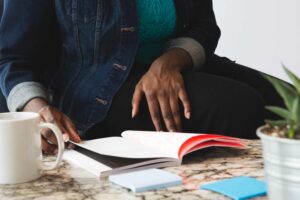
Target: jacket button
(119, 66)
(102, 101)
(128, 29)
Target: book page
(165, 142)
(85, 162)
(121, 147)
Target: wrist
(34, 105)
(174, 59)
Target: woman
(122, 64)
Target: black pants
(226, 98)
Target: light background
(260, 34)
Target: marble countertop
(72, 182)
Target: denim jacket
(76, 54)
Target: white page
(121, 147)
(165, 142)
(85, 162)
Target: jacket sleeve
(201, 36)
(1, 8)
(25, 28)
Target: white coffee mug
(20, 147)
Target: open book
(137, 150)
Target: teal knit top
(157, 23)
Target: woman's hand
(52, 115)
(163, 87)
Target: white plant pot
(282, 166)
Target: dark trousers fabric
(226, 98)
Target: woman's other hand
(52, 115)
(163, 87)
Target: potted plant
(281, 142)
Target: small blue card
(238, 188)
(151, 179)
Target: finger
(46, 115)
(50, 116)
(49, 135)
(71, 130)
(185, 102)
(175, 110)
(167, 113)
(136, 99)
(48, 148)
(154, 111)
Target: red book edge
(209, 140)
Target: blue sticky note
(151, 179)
(238, 188)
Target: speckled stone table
(72, 182)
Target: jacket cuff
(22, 93)
(194, 49)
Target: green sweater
(157, 23)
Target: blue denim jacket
(96, 43)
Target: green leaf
(285, 90)
(293, 78)
(277, 122)
(280, 112)
(296, 110)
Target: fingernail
(66, 137)
(188, 115)
(132, 113)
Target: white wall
(260, 33)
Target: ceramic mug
(20, 147)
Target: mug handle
(60, 143)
